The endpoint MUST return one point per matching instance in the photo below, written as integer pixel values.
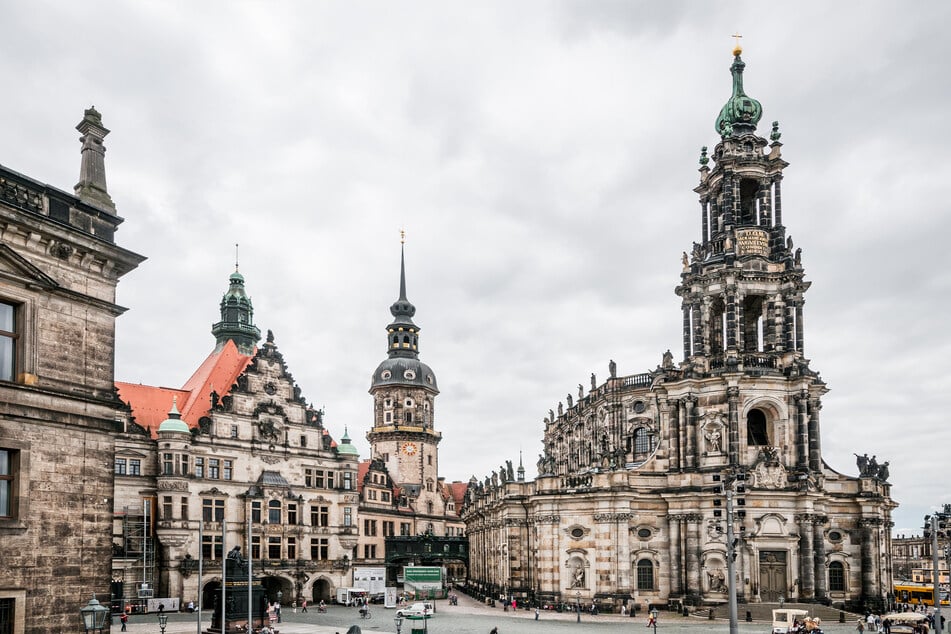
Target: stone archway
(273, 585)
(210, 595)
(322, 591)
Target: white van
(351, 596)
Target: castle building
(629, 504)
(402, 496)
(235, 457)
(59, 267)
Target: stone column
(800, 343)
(676, 555)
(802, 437)
(778, 199)
(815, 447)
(731, 319)
(693, 554)
(704, 219)
(807, 586)
(733, 394)
(687, 330)
(789, 325)
(870, 527)
(698, 347)
(690, 432)
(623, 539)
(819, 552)
(673, 432)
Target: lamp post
(578, 604)
(399, 623)
(279, 595)
(654, 619)
(93, 615)
(162, 621)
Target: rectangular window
(385, 496)
(319, 548)
(211, 547)
(369, 551)
(371, 494)
(347, 516)
(183, 464)
(135, 467)
(347, 480)
(212, 510)
(389, 529)
(167, 464)
(303, 441)
(7, 615)
(320, 516)
(256, 512)
(404, 528)
(273, 547)
(120, 466)
(228, 469)
(213, 469)
(184, 508)
(8, 341)
(330, 479)
(255, 547)
(292, 548)
(8, 482)
(318, 478)
(166, 507)
(199, 467)
(308, 478)
(234, 431)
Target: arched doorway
(274, 585)
(210, 595)
(323, 591)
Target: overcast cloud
(541, 156)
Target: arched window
(645, 574)
(643, 441)
(836, 577)
(274, 512)
(756, 432)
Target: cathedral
(630, 502)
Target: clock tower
(404, 392)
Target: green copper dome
(741, 113)
(174, 421)
(345, 447)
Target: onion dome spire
(402, 334)
(741, 112)
(237, 317)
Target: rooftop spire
(741, 112)
(237, 316)
(402, 265)
(402, 333)
(91, 187)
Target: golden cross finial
(402, 236)
(737, 49)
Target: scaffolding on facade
(134, 558)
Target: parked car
(416, 610)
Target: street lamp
(93, 615)
(654, 619)
(578, 604)
(399, 623)
(279, 595)
(162, 621)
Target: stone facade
(59, 266)
(630, 503)
(248, 462)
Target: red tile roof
(150, 404)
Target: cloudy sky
(541, 157)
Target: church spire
(402, 333)
(237, 317)
(91, 187)
(741, 112)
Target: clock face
(409, 448)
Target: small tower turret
(237, 317)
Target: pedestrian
(494, 630)
(294, 607)
(123, 618)
(861, 625)
(536, 612)
(303, 605)
(161, 607)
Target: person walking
(123, 618)
(303, 605)
(536, 612)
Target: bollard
(749, 616)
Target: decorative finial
(775, 134)
(737, 49)
(704, 159)
(236, 257)
(402, 236)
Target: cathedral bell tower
(742, 285)
(404, 392)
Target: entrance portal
(772, 575)
(322, 591)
